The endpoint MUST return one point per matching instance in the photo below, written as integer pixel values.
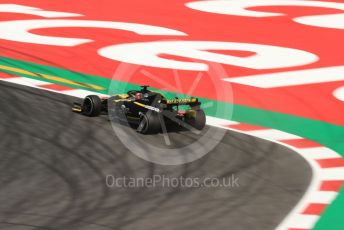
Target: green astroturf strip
(329, 135)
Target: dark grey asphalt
(53, 165)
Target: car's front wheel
(92, 106)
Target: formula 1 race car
(147, 109)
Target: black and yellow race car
(150, 111)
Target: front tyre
(92, 106)
(196, 118)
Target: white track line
(301, 222)
(323, 197)
(272, 134)
(318, 153)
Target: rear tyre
(149, 123)
(92, 106)
(196, 118)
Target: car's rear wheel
(149, 123)
(196, 118)
(92, 106)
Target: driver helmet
(138, 96)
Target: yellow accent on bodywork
(123, 96)
(76, 109)
(139, 104)
(181, 101)
(121, 100)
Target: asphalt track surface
(53, 166)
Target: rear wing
(185, 101)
